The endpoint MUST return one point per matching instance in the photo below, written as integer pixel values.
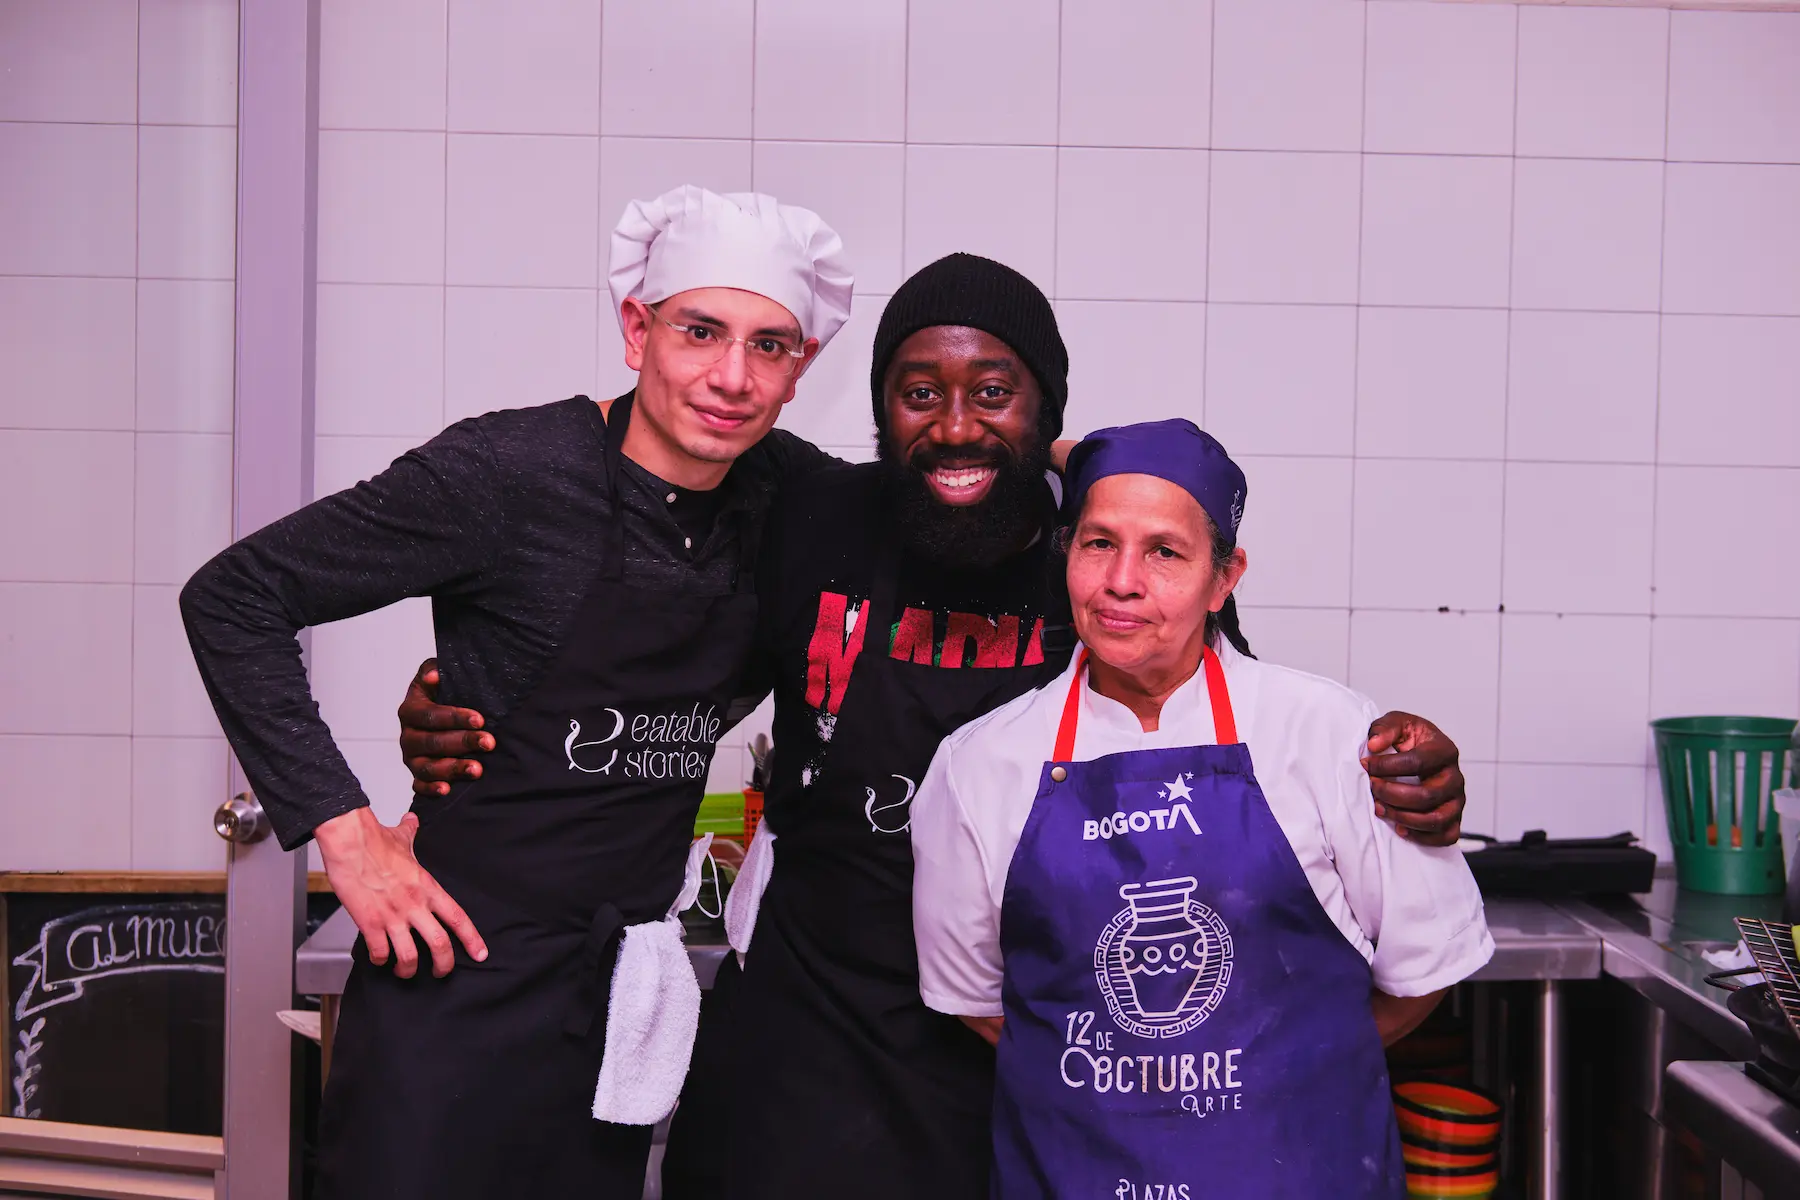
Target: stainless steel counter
(1654, 943)
(1751, 1128)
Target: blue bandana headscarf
(1178, 451)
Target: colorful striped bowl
(1446, 1115)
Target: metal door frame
(272, 475)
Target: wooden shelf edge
(111, 883)
(190, 1152)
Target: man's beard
(974, 535)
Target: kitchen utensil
(1718, 778)
(759, 759)
(1538, 865)
(1771, 1009)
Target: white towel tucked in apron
(652, 1014)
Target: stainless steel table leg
(1547, 1144)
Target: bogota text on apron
(1183, 1020)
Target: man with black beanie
(829, 1075)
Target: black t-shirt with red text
(827, 540)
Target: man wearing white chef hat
(591, 569)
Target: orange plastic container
(753, 799)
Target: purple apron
(1183, 1020)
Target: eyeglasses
(769, 356)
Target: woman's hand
(1429, 811)
(436, 740)
(987, 1027)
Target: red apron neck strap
(1224, 721)
(1065, 732)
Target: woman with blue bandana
(1159, 886)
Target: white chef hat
(692, 238)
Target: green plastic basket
(1718, 777)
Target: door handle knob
(241, 820)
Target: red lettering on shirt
(1034, 649)
(913, 637)
(975, 640)
(831, 655)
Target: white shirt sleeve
(956, 917)
(1418, 904)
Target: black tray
(1537, 865)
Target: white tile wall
(1563, 52)
(381, 207)
(1431, 383)
(1440, 78)
(185, 355)
(1136, 72)
(1284, 228)
(831, 71)
(1564, 381)
(1287, 75)
(707, 44)
(1403, 505)
(962, 87)
(1581, 386)
(1730, 391)
(1280, 378)
(187, 62)
(117, 216)
(524, 68)
(1166, 191)
(71, 61)
(1731, 244)
(1148, 360)
(383, 66)
(509, 347)
(997, 201)
(379, 360)
(523, 211)
(1435, 229)
(187, 202)
(1586, 234)
(66, 204)
(1578, 537)
(66, 353)
(1731, 87)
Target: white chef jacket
(1412, 911)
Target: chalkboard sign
(116, 1010)
(112, 997)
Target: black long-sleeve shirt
(495, 519)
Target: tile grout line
(137, 265)
(1656, 470)
(1362, 177)
(1512, 244)
(443, 251)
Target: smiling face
(960, 406)
(963, 445)
(1142, 576)
(701, 399)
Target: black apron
(481, 1084)
(847, 1084)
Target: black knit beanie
(966, 289)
